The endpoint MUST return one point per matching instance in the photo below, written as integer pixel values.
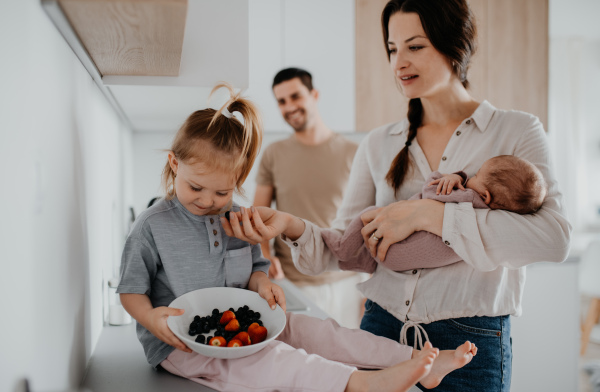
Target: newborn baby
(503, 182)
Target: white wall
(574, 118)
(61, 203)
(312, 34)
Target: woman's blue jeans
(490, 369)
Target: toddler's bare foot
(447, 361)
(399, 378)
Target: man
(306, 175)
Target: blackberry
(200, 339)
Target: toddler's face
(202, 190)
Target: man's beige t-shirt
(308, 182)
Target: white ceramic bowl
(202, 302)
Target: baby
(504, 182)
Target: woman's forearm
(295, 227)
(431, 218)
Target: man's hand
(275, 270)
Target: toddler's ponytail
(219, 140)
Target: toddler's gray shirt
(171, 251)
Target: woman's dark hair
(450, 27)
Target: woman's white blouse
(495, 245)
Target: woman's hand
(156, 323)
(260, 224)
(387, 225)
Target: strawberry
(228, 315)
(244, 338)
(252, 326)
(233, 326)
(257, 334)
(218, 341)
(234, 343)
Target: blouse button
(214, 232)
(295, 244)
(458, 133)
(468, 121)
(407, 302)
(444, 158)
(212, 220)
(446, 242)
(414, 272)
(216, 244)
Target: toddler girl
(178, 245)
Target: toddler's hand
(157, 325)
(272, 293)
(447, 183)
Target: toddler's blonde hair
(221, 143)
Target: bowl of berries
(225, 322)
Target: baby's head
(510, 183)
(212, 155)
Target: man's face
(298, 106)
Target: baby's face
(202, 190)
(477, 181)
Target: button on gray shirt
(171, 251)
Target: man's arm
(263, 198)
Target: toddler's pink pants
(309, 355)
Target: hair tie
(226, 112)
(407, 143)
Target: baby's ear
(486, 196)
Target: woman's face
(420, 70)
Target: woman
(429, 45)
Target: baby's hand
(272, 293)
(447, 183)
(157, 325)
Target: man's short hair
(290, 73)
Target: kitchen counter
(119, 363)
